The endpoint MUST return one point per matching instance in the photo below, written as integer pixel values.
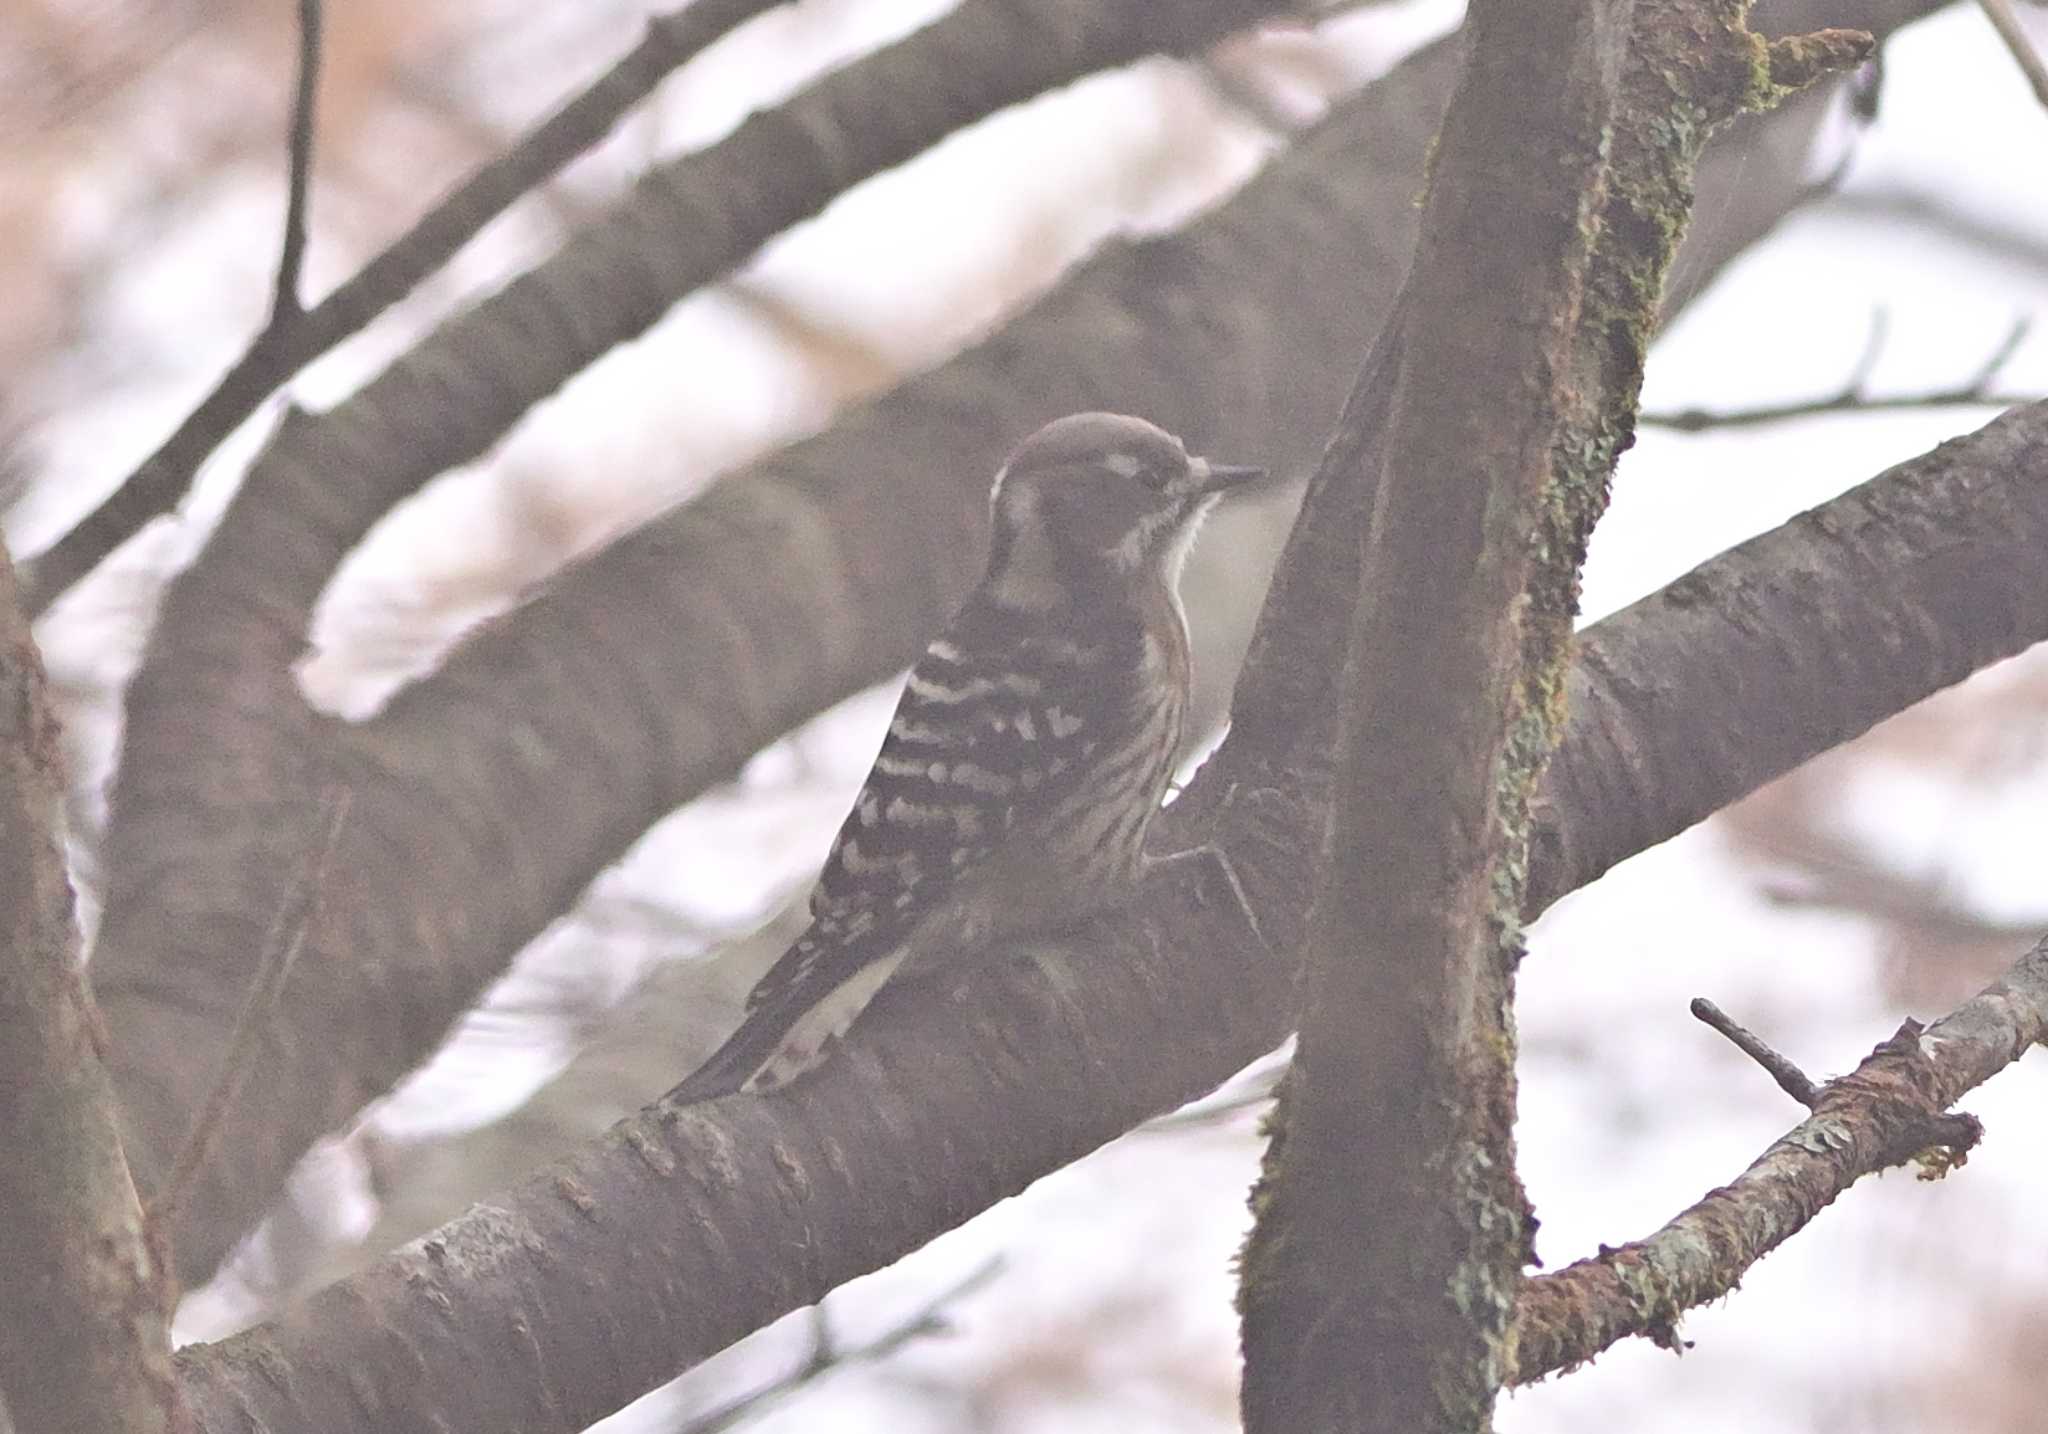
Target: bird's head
(1095, 498)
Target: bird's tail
(724, 1073)
(785, 1037)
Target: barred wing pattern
(988, 725)
(993, 723)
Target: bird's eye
(1129, 465)
(1153, 474)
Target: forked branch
(1891, 1109)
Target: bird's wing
(974, 755)
(973, 751)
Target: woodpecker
(1029, 751)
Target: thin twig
(1984, 234)
(825, 1355)
(1699, 420)
(162, 479)
(285, 306)
(2009, 29)
(1851, 398)
(281, 946)
(1791, 1080)
(2002, 355)
(1873, 350)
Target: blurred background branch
(1854, 396)
(295, 336)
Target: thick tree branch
(1421, 1009)
(1391, 1228)
(84, 1319)
(1889, 1110)
(294, 338)
(281, 947)
(372, 1348)
(1831, 623)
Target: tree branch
(2019, 45)
(1791, 1080)
(281, 947)
(826, 1354)
(1793, 619)
(286, 307)
(294, 337)
(84, 1310)
(1349, 1318)
(1853, 396)
(1422, 1007)
(1889, 1110)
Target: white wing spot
(967, 691)
(977, 778)
(904, 812)
(1063, 726)
(1025, 727)
(943, 650)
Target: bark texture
(84, 1333)
(1391, 1230)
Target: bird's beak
(1211, 478)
